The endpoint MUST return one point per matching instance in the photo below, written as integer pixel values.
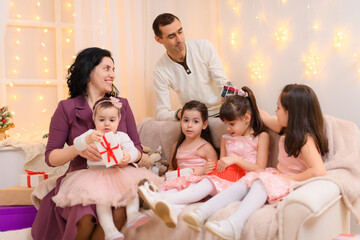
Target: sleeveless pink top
(190, 158)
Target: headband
(114, 101)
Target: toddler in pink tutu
(304, 141)
(115, 186)
(245, 149)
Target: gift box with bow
(110, 150)
(178, 173)
(229, 88)
(32, 179)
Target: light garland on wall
(282, 34)
(257, 67)
(339, 40)
(311, 64)
(43, 53)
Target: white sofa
(313, 211)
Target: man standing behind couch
(192, 68)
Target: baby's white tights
(105, 217)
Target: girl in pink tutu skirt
(115, 186)
(299, 118)
(244, 149)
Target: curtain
(4, 12)
(125, 28)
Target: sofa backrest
(155, 133)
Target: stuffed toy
(160, 167)
(152, 160)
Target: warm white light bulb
(41, 98)
(46, 30)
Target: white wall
(337, 84)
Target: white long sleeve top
(122, 138)
(204, 83)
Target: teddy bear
(152, 160)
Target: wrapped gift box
(232, 173)
(32, 179)
(16, 196)
(16, 217)
(178, 173)
(109, 149)
(344, 236)
(229, 88)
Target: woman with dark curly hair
(90, 78)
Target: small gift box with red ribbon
(178, 173)
(229, 88)
(110, 149)
(32, 179)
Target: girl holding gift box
(107, 187)
(245, 149)
(300, 150)
(90, 78)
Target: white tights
(193, 193)
(252, 199)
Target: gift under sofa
(316, 209)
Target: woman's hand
(224, 162)
(208, 167)
(91, 153)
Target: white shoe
(147, 196)
(113, 234)
(214, 227)
(194, 219)
(167, 213)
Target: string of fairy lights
(45, 68)
(258, 65)
(311, 60)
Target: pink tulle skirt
(110, 186)
(276, 186)
(183, 182)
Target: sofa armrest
(309, 202)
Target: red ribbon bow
(30, 173)
(109, 150)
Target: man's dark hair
(162, 20)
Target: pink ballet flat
(139, 220)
